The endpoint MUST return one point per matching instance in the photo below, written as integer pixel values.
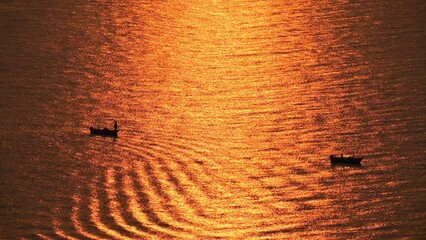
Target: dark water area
(228, 111)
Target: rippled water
(227, 111)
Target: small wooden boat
(104, 132)
(346, 160)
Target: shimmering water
(227, 111)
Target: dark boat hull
(346, 160)
(104, 132)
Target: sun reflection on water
(228, 111)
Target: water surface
(227, 111)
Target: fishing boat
(346, 160)
(104, 132)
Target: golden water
(227, 112)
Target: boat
(346, 160)
(104, 132)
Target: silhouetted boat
(104, 132)
(347, 160)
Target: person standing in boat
(115, 125)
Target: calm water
(228, 111)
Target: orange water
(228, 111)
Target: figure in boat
(105, 131)
(347, 160)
